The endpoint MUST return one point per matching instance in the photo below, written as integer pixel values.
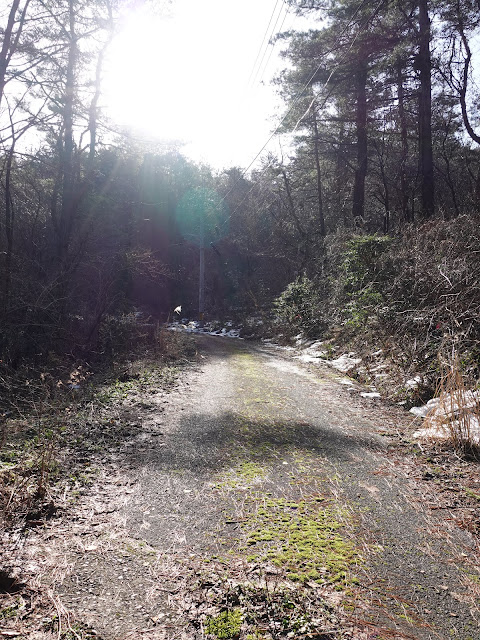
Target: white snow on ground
(345, 363)
(370, 394)
(414, 383)
(194, 327)
(456, 413)
(312, 352)
(307, 357)
(287, 367)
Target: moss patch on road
(304, 538)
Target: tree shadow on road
(207, 444)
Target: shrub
(298, 308)
(363, 277)
(361, 264)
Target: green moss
(245, 473)
(304, 538)
(472, 494)
(9, 612)
(226, 625)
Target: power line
(298, 96)
(274, 44)
(269, 40)
(263, 41)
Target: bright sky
(190, 72)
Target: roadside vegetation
(409, 307)
(56, 422)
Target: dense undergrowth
(413, 300)
(416, 295)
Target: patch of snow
(287, 367)
(195, 327)
(379, 367)
(370, 394)
(345, 363)
(307, 357)
(414, 383)
(420, 412)
(456, 413)
(443, 431)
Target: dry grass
(455, 413)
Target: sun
(182, 77)
(144, 82)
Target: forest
(366, 228)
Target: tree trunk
(9, 212)
(358, 206)
(66, 214)
(93, 111)
(424, 63)
(6, 53)
(321, 217)
(341, 178)
(406, 213)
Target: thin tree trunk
(407, 215)
(340, 178)
(386, 192)
(93, 111)
(5, 53)
(65, 222)
(425, 114)
(321, 217)
(9, 213)
(465, 74)
(358, 205)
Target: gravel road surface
(260, 467)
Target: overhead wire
(272, 33)
(265, 36)
(287, 11)
(296, 99)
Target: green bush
(362, 265)
(364, 271)
(298, 308)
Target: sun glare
(183, 77)
(144, 89)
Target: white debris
(370, 394)
(345, 363)
(452, 415)
(414, 383)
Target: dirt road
(259, 499)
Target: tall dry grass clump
(455, 411)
